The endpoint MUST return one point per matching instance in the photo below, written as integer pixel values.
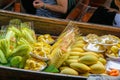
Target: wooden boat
(54, 27)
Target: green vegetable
(21, 50)
(23, 62)
(2, 57)
(51, 68)
(15, 61)
(5, 47)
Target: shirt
(117, 20)
(46, 12)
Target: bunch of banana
(76, 50)
(81, 62)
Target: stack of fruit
(81, 62)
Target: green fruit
(80, 67)
(103, 61)
(69, 71)
(73, 57)
(97, 68)
(88, 59)
(69, 61)
(15, 61)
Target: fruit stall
(40, 48)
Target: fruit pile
(19, 44)
(71, 53)
(81, 62)
(70, 56)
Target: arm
(60, 7)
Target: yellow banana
(77, 50)
(76, 54)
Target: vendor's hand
(38, 3)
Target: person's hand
(38, 3)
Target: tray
(52, 26)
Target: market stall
(55, 27)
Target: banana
(92, 53)
(76, 54)
(77, 50)
(69, 71)
(63, 67)
(81, 45)
(80, 67)
(69, 61)
(73, 57)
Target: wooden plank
(42, 24)
(56, 26)
(86, 28)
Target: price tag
(102, 77)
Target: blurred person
(107, 14)
(53, 8)
(28, 7)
